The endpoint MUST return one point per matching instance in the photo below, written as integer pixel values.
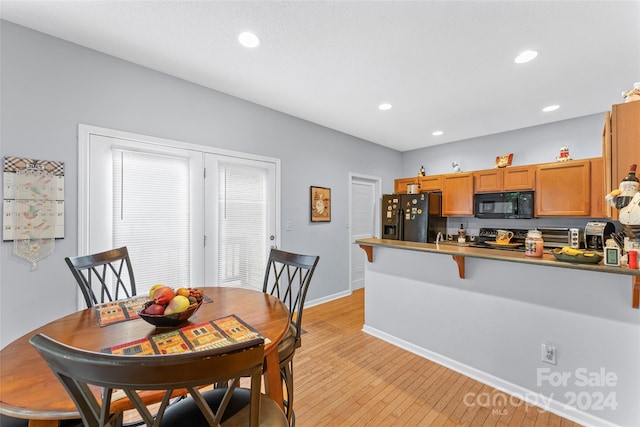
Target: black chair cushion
(186, 413)
(7, 421)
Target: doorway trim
(377, 182)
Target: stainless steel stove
(488, 235)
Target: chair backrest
(287, 277)
(108, 267)
(77, 369)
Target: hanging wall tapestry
(33, 206)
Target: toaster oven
(561, 237)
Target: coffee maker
(596, 234)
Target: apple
(155, 309)
(177, 305)
(163, 295)
(153, 289)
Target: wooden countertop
(460, 253)
(495, 254)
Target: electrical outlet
(549, 354)
(287, 225)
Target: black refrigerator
(413, 217)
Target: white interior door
(240, 220)
(363, 223)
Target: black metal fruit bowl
(164, 321)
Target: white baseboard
(515, 390)
(327, 299)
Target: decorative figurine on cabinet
(633, 94)
(421, 172)
(504, 160)
(564, 154)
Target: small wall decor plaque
(320, 204)
(504, 160)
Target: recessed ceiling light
(526, 56)
(550, 108)
(437, 133)
(385, 106)
(248, 39)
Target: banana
(571, 251)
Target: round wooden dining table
(30, 390)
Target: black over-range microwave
(511, 205)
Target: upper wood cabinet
(563, 189)
(488, 180)
(427, 183)
(598, 203)
(621, 145)
(430, 183)
(457, 194)
(400, 184)
(517, 178)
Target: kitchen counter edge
(495, 254)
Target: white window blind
(151, 216)
(242, 225)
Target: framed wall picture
(320, 204)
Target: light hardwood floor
(344, 377)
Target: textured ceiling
(444, 65)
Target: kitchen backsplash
(472, 225)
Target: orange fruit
(183, 291)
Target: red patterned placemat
(120, 310)
(202, 336)
(125, 309)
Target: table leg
(44, 423)
(273, 384)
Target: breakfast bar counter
(460, 252)
(489, 313)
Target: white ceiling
(444, 65)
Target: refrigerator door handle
(400, 223)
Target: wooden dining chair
(104, 269)
(287, 277)
(78, 369)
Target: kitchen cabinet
(621, 145)
(598, 203)
(488, 180)
(457, 194)
(517, 178)
(400, 184)
(563, 188)
(430, 183)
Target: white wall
(491, 325)
(50, 86)
(538, 144)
